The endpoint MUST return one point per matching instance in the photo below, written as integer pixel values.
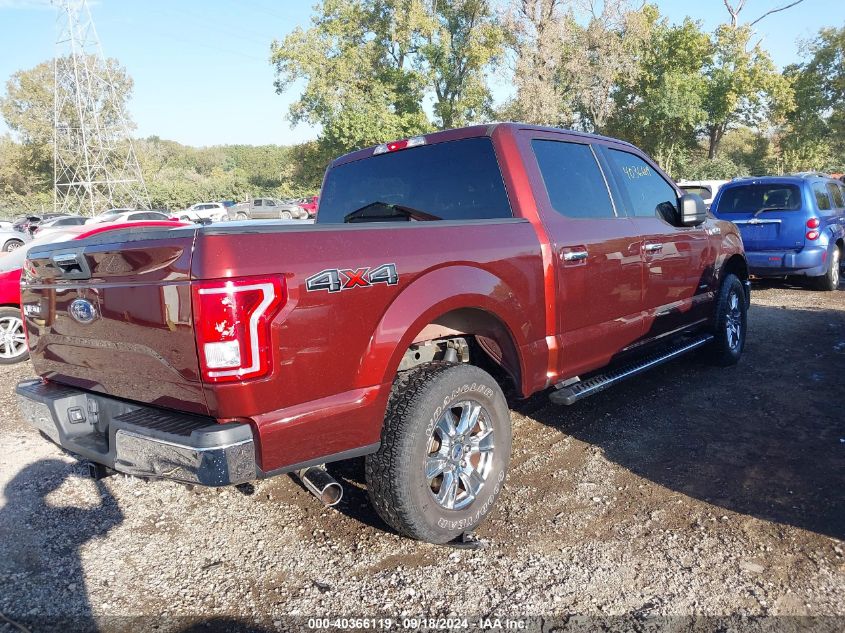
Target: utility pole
(94, 162)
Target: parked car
(790, 225)
(267, 209)
(442, 271)
(108, 214)
(707, 189)
(10, 239)
(135, 216)
(204, 211)
(310, 205)
(22, 223)
(58, 223)
(13, 347)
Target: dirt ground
(689, 491)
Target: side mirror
(693, 209)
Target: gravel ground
(690, 491)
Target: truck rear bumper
(139, 440)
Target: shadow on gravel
(355, 503)
(765, 438)
(44, 583)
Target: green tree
(743, 86)
(815, 136)
(357, 61)
(662, 109)
(535, 37)
(465, 41)
(602, 58)
(368, 66)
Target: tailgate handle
(73, 265)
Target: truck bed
(141, 345)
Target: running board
(580, 390)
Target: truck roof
(471, 131)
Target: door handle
(574, 256)
(653, 248)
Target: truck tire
(13, 347)
(241, 216)
(830, 280)
(445, 448)
(730, 323)
(285, 215)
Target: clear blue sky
(201, 67)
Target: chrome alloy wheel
(12, 337)
(834, 268)
(733, 321)
(460, 455)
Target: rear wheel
(241, 216)
(830, 280)
(444, 452)
(285, 215)
(13, 347)
(731, 322)
(12, 245)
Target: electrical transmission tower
(94, 162)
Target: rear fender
(430, 296)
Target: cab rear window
(753, 198)
(456, 180)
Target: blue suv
(790, 225)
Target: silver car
(11, 240)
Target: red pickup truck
(443, 271)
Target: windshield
(457, 180)
(756, 198)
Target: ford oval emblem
(82, 310)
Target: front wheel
(730, 323)
(830, 280)
(445, 448)
(12, 245)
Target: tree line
(704, 104)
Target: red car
(310, 204)
(442, 272)
(13, 347)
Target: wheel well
(737, 265)
(491, 345)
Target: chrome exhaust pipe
(321, 484)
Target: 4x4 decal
(336, 279)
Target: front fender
(430, 296)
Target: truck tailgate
(112, 314)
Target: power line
(94, 161)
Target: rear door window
(455, 180)
(649, 194)
(573, 179)
(836, 195)
(753, 198)
(822, 199)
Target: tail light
(232, 322)
(812, 235)
(813, 223)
